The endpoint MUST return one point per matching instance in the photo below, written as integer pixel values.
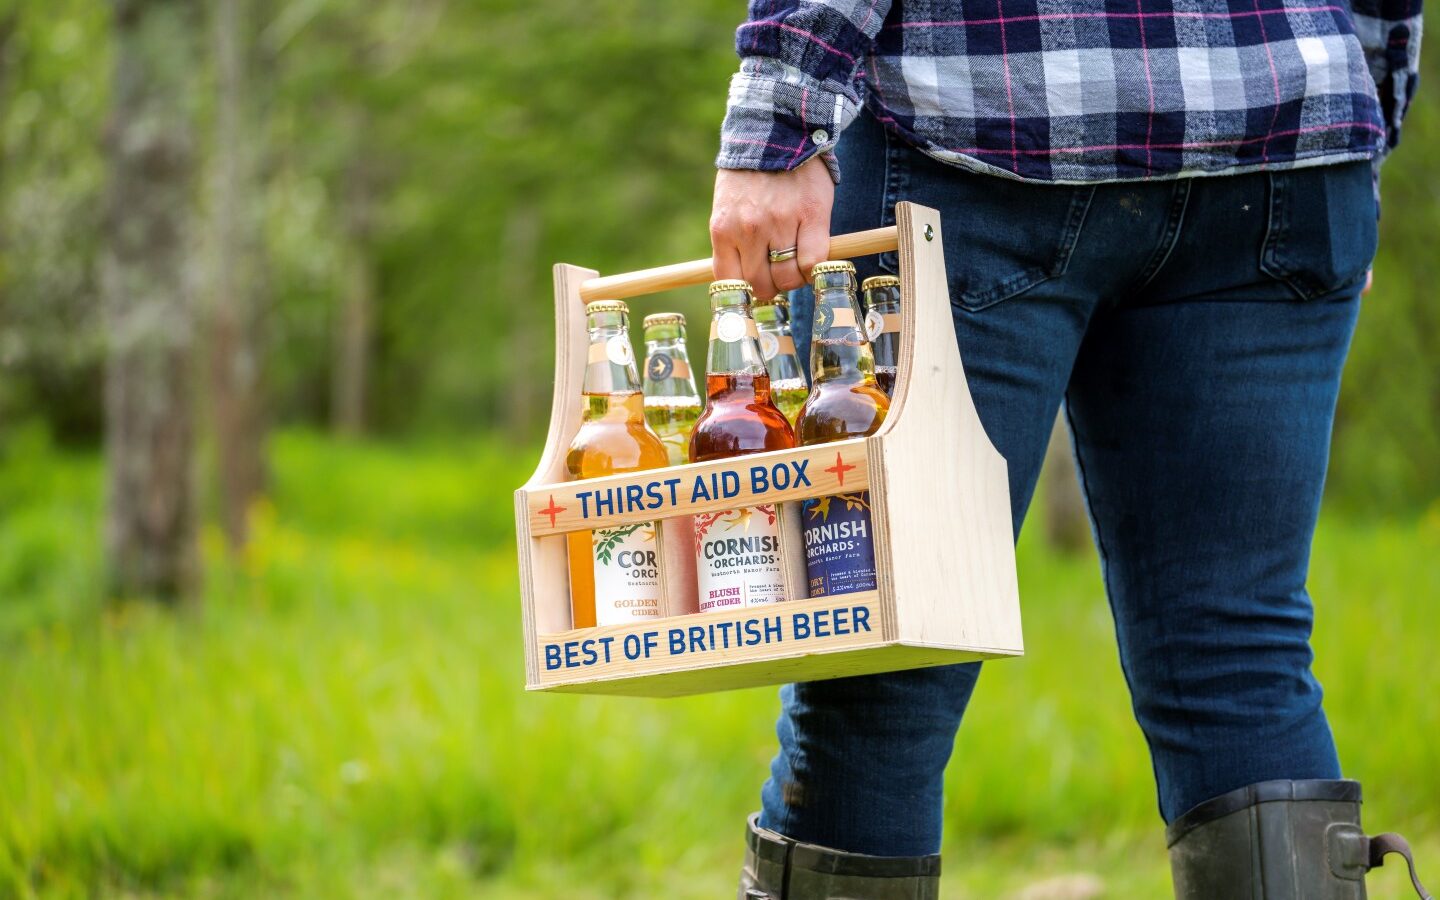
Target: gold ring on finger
(779, 256)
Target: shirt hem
(1318, 158)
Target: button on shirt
(1077, 90)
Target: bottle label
(769, 345)
(627, 574)
(659, 366)
(874, 324)
(839, 549)
(730, 327)
(618, 350)
(738, 551)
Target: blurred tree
(146, 266)
(238, 289)
(355, 320)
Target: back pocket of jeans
(1002, 237)
(1322, 232)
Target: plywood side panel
(947, 517)
(544, 567)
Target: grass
(343, 715)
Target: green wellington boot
(1279, 840)
(777, 868)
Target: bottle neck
(839, 351)
(734, 339)
(610, 361)
(667, 367)
(777, 348)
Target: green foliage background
(505, 136)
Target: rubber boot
(777, 868)
(1279, 840)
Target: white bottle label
(627, 574)
(738, 552)
(769, 345)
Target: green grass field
(343, 716)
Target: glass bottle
(671, 402)
(614, 572)
(845, 402)
(881, 298)
(777, 347)
(738, 550)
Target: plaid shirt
(1077, 90)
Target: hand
(756, 212)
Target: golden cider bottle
(845, 402)
(614, 572)
(777, 346)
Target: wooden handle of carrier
(699, 271)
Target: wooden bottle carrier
(940, 513)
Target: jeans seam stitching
(1109, 591)
(1169, 239)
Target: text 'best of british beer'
(738, 550)
(671, 402)
(881, 296)
(777, 346)
(844, 402)
(614, 572)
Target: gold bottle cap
(604, 306)
(664, 319)
(783, 302)
(773, 301)
(834, 265)
(730, 284)
(879, 281)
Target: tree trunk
(236, 355)
(1067, 528)
(355, 325)
(150, 536)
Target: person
(1162, 212)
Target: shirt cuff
(776, 119)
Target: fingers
(756, 212)
(725, 260)
(755, 262)
(812, 243)
(785, 275)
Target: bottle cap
(783, 302)
(773, 301)
(730, 284)
(604, 306)
(664, 319)
(879, 281)
(836, 265)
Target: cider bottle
(881, 298)
(737, 551)
(614, 572)
(844, 402)
(777, 346)
(671, 402)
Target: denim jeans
(1195, 330)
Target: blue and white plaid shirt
(1077, 90)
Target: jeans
(1195, 330)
